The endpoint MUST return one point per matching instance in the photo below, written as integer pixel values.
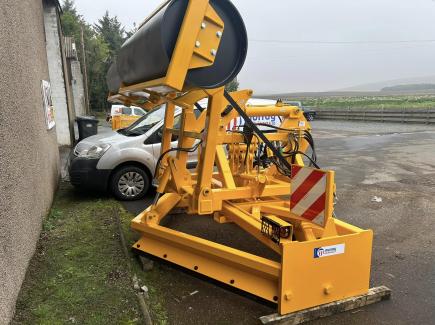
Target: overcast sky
(317, 45)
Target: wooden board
(374, 295)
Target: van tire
(129, 183)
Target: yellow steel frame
(229, 188)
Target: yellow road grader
(263, 178)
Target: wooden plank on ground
(374, 295)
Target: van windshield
(145, 123)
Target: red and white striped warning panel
(308, 193)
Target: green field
(399, 102)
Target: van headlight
(95, 152)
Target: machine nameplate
(328, 250)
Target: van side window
(156, 137)
(126, 110)
(139, 112)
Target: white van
(124, 161)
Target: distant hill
(410, 88)
(397, 87)
(377, 86)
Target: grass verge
(78, 273)
(398, 102)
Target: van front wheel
(129, 183)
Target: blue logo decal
(318, 252)
(329, 250)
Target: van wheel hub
(131, 184)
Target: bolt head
(218, 34)
(288, 296)
(203, 25)
(197, 44)
(213, 52)
(327, 289)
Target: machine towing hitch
(184, 53)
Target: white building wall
(57, 80)
(77, 88)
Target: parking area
(385, 175)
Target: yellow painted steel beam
(167, 134)
(208, 153)
(236, 268)
(247, 192)
(154, 213)
(285, 213)
(224, 168)
(183, 56)
(249, 223)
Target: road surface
(393, 162)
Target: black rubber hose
(257, 131)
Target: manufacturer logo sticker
(328, 250)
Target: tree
(69, 6)
(72, 22)
(97, 53)
(131, 32)
(233, 85)
(102, 42)
(111, 30)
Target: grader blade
(253, 175)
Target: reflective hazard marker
(308, 193)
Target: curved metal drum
(147, 54)
(112, 78)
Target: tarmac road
(393, 162)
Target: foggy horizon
(316, 45)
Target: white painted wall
(56, 74)
(77, 88)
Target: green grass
(79, 274)
(399, 102)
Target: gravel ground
(393, 162)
